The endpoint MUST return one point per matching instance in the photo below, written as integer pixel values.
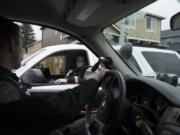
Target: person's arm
(52, 110)
(71, 101)
(74, 79)
(78, 78)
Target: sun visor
(83, 11)
(89, 13)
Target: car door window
(59, 64)
(56, 65)
(41, 58)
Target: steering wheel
(111, 110)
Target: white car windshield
(148, 28)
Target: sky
(38, 32)
(164, 8)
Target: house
(50, 37)
(54, 37)
(34, 47)
(140, 29)
(171, 39)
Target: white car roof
(146, 49)
(66, 46)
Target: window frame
(69, 55)
(151, 30)
(129, 26)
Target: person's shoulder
(4, 83)
(8, 92)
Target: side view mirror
(175, 22)
(126, 51)
(168, 78)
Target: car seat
(33, 76)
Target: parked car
(158, 62)
(151, 61)
(63, 52)
(51, 63)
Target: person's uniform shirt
(75, 75)
(22, 113)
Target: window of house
(130, 21)
(61, 36)
(150, 24)
(55, 32)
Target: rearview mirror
(175, 22)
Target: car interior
(130, 104)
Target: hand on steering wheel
(98, 75)
(110, 112)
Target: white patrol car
(56, 50)
(51, 63)
(154, 60)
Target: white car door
(42, 56)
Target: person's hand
(99, 75)
(61, 81)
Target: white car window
(163, 62)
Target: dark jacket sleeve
(76, 76)
(74, 79)
(52, 110)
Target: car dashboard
(159, 103)
(146, 97)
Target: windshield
(148, 28)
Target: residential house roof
(154, 15)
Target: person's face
(17, 53)
(80, 62)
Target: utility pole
(122, 33)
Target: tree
(28, 35)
